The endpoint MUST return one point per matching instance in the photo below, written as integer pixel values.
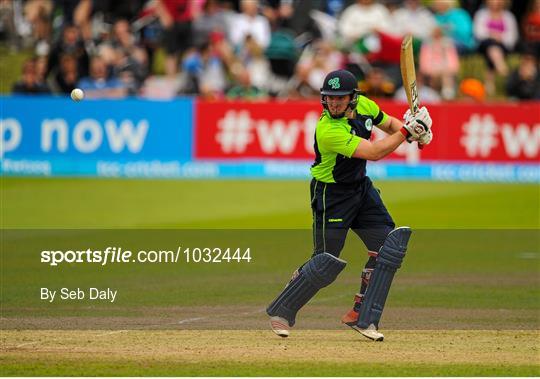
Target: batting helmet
(339, 83)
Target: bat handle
(414, 109)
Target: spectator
(67, 76)
(38, 13)
(495, 28)
(66, 8)
(98, 85)
(109, 56)
(524, 82)
(149, 31)
(439, 63)
(161, 87)
(471, 6)
(212, 20)
(531, 27)
(82, 18)
(8, 25)
(334, 8)
(93, 16)
(293, 15)
(176, 17)
(282, 53)
(132, 69)
(265, 55)
(377, 84)
(425, 93)
(313, 66)
(114, 10)
(41, 69)
(456, 24)
(413, 19)
(204, 73)
(362, 18)
(122, 37)
(30, 83)
(245, 89)
(255, 62)
(130, 61)
(72, 44)
(249, 23)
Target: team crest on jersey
(368, 124)
(334, 82)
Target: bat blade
(408, 73)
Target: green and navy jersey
(337, 139)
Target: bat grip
(420, 146)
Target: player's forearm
(385, 146)
(391, 125)
(373, 151)
(396, 125)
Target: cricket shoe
(280, 326)
(370, 332)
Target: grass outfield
(465, 303)
(99, 203)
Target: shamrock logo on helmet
(334, 82)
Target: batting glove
(425, 139)
(418, 126)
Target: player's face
(337, 104)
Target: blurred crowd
(255, 49)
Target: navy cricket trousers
(339, 207)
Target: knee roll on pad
(389, 260)
(317, 273)
(394, 248)
(323, 269)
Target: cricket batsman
(343, 198)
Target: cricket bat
(408, 74)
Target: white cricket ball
(77, 94)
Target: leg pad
(389, 260)
(317, 273)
